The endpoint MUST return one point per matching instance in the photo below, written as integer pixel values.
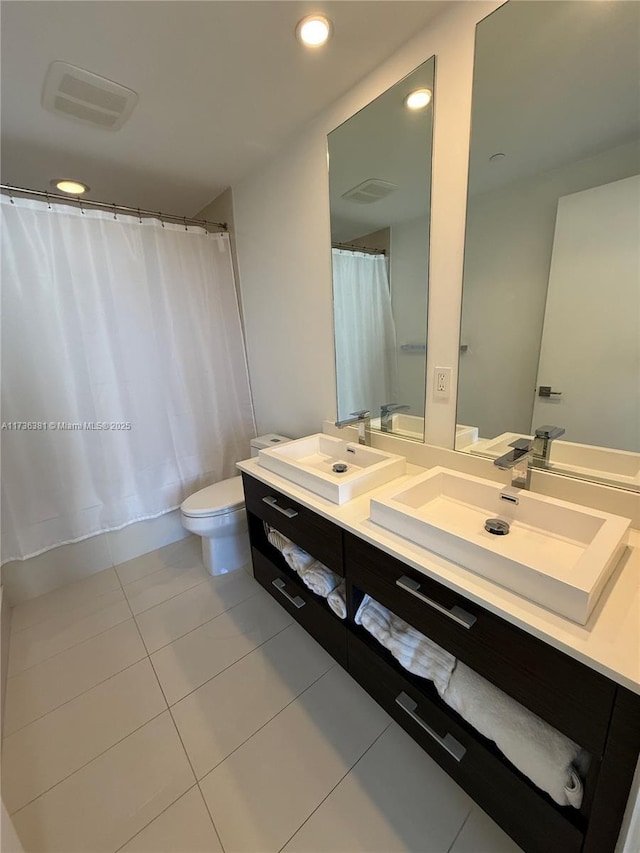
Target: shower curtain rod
(114, 208)
(352, 248)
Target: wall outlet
(442, 383)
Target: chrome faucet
(363, 421)
(386, 414)
(542, 442)
(517, 460)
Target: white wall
(409, 277)
(283, 238)
(505, 290)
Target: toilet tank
(268, 440)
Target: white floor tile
(106, 803)
(172, 619)
(75, 599)
(261, 794)
(227, 710)
(396, 798)
(49, 684)
(195, 658)
(47, 751)
(46, 639)
(159, 586)
(186, 553)
(185, 827)
(482, 835)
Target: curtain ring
(160, 218)
(48, 200)
(139, 217)
(80, 205)
(11, 197)
(184, 219)
(115, 216)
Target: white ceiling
(221, 86)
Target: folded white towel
(337, 601)
(315, 575)
(296, 558)
(538, 750)
(320, 579)
(415, 652)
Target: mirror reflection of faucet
(526, 451)
(542, 442)
(387, 411)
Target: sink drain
(496, 526)
(339, 467)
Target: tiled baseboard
(25, 579)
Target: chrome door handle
(273, 502)
(448, 742)
(296, 600)
(460, 616)
(545, 391)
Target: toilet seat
(219, 499)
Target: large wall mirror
(380, 188)
(550, 334)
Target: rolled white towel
(415, 652)
(277, 539)
(320, 579)
(538, 750)
(299, 560)
(337, 601)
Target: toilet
(217, 514)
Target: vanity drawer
(321, 538)
(303, 605)
(529, 816)
(570, 696)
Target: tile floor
(152, 708)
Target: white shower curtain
(366, 356)
(124, 384)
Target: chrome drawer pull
(273, 502)
(448, 742)
(295, 600)
(456, 613)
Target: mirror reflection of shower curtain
(366, 355)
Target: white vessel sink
(309, 463)
(583, 460)
(557, 554)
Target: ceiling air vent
(83, 96)
(373, 189)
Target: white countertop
(610, 641)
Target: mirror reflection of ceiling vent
(80, 95)
(373, 189)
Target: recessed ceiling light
(65, 185)
(418, 99)
(313, 30)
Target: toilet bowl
(217, 514)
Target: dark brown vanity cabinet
(601, 716)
